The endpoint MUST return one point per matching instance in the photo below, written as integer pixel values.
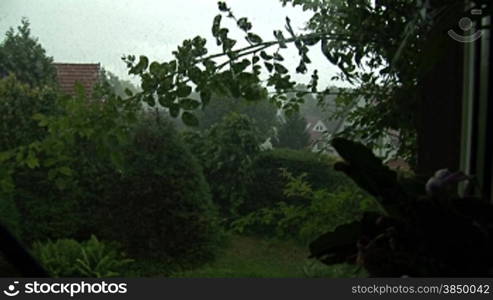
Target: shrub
(29, 194)
(56, 177)
(268, 183)
(322, 212)
(69, 258)
(226, 152)
(9, 215)
(47, 212)
(160, 205)
(292, 133)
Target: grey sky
(91, 31)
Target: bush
(159, 206)
(47, 213)
(69, 258)
(9, 215)
(226, 152)
(18, 103)
(268, 183)
(42, 211)
(323, 211)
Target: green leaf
(183, 90)
(189, 119)
(141, 65)
(244, 24)
(148, 82)
(255, 39)
(280, 38)
(344, 237)
(280, 69)
(326, 52)
(241, 66)
(265, 56)
(278, 57)
(222, 6)
(174, 110)
(216, 24)
(65, 171)
(156, 69)
(269, 66)
(195, 74)
(31, 161)
(128, 92)
(205, 97)
(310, 41)
(6, 155)
(189, 104)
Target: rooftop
(69, 74)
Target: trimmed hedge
(268, 185)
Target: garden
(207, 169)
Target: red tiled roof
(68, 75)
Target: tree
(227, 151)
(292, 133)
(18, 104)
(364, 57)
(386, 49)
(263, 113)
(22, 55)
(119, 86)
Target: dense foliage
(227, 151)
(261, 111)
(364, 57)
(91, 161)
(73, 166)
(161, 205)
(292, 133)
(18, 104)
(91, 258)
(321, 211)
(416, 233)
(267, 185)
(23, 56)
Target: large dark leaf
(339, 244)
(368, 171)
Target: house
(70, 74)
(318, 130)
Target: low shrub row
(322, 211)
(267, 186)
(91, 258)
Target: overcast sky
(101, 31)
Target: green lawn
(249, 257)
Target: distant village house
(71, 74)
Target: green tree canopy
(382, 48)
(263, 113)
(18, 104)
(292, 133)
(22, 55)
(120, 87)
(227, 151)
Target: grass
(251, 257)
